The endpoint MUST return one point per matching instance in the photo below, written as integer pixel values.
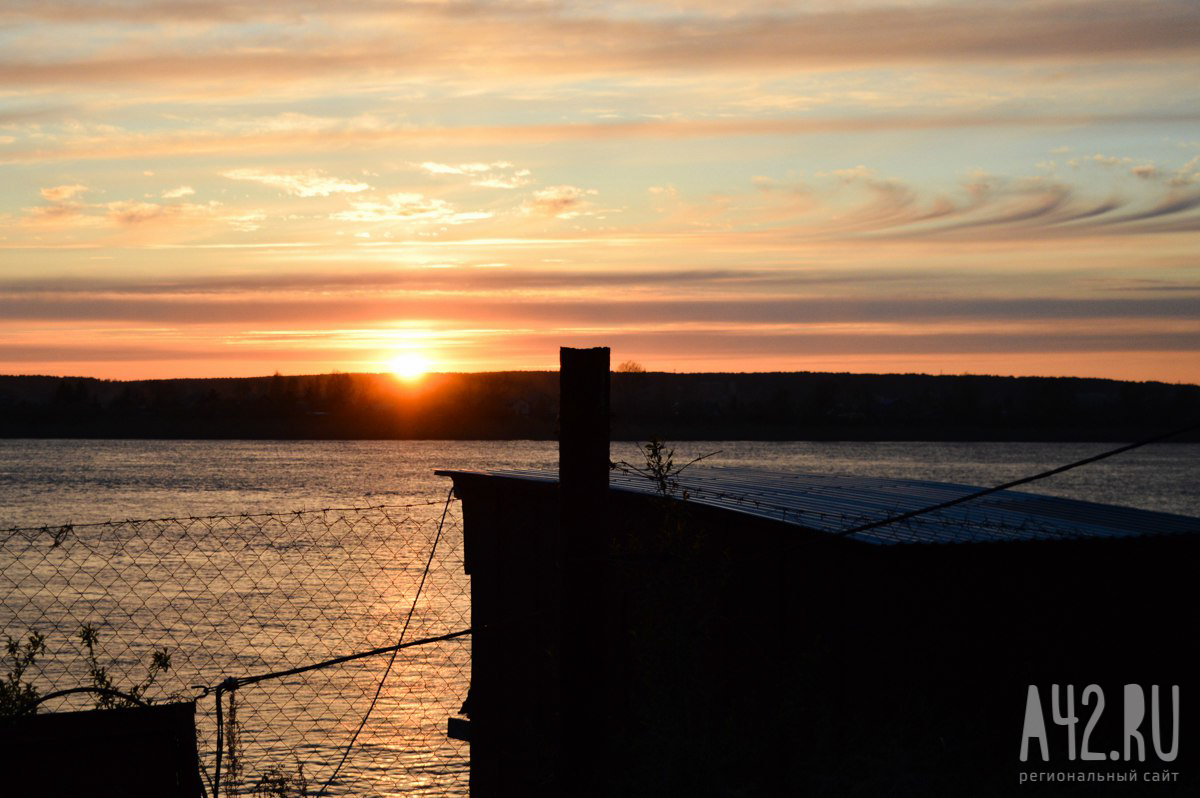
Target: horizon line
(647, 373)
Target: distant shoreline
(674, 407)
(1079, 437)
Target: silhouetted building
(748, 647)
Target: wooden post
(583, 479)
(583, 463)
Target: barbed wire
(70, 526)
(854, 523)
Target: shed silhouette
(746, 647)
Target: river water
(61, 481)
(255, 593)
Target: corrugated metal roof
(831, 503)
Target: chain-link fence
(231, 597)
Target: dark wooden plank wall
(748, 657)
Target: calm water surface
(57, 481)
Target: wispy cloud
(65, 209)
(131, 212)
(408, 207)
(126, 144)
(577, 40)
(246, 222)
(498, 174)
(434, 168)
(52, 214)
(563, 202)
(178, 192)
(1188, 174)
(306, 183)
(64, 206)
(63, 193)
(989, 207)
(494, 278)
(1173, 317)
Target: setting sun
(408, 366)
(880, 186)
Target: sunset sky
(196, 188)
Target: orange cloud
(562, 202)
(63, 207)
(131, 212)
(63, 193)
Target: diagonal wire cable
(392, 661)
(316, 666)
(1024, 480)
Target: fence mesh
(239, 596)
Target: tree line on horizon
(524, 405)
